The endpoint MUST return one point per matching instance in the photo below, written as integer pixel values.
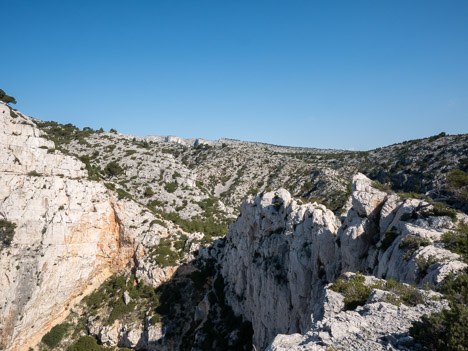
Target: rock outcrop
(279, 256)
(378, 325)
(71, 233)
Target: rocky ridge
(282, 254)
(71, 233)
(144, 207)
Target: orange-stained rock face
(71, 234)
(72, 250)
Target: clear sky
(331, 74)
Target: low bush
(7, 232)
(85, 343)
(34, 174)
(440, 209)
(55, 335)
(446, 330)
(411, 243)
(390, 236)
(406, 294)
(356, 292)
(119, 309)
(410, 195)
(171, 187)
(163, 254)
(424, 263)
(113, 169)
(382, 187)
(148, 192)
(457, 241)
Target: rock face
(279, 256)
(277, 253)
(378, 325)
(71, 233)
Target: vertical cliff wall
(71, 233)
(279, 255)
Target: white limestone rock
(377, 325)
(71, 233)
(280, 254)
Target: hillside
(163, 243)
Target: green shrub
(157, 221)
(424, 263)
(55, 335)
(6, 98)
(119, 310)
(410, 195)
(34, 174)
(7, 232)
(130, 152)
(411, 243)
(406, 294)
(155, 319)
(113, 169)
(148, 192)
(206, 226)
(457, 178)
(382, 187)
(440, 209)
(171, 187)
(446, 330)
(457, 241)
(86, 343)
(122, 194)
(355, 291)
(390, 236)
(163, 254)
(110, 186)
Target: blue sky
(331, 74)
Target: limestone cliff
(279, 255)
(71, 233)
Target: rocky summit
(115, 242)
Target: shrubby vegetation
(55, 335)
(390, 236)
(356, 292)
(440, 209)
(411, 243)
(113, 169)
(163, 254)
(457, 182)
(446, 330)
(7, 232)
(457, 241)
(171, 187)
(110, 296)
(6, 98)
